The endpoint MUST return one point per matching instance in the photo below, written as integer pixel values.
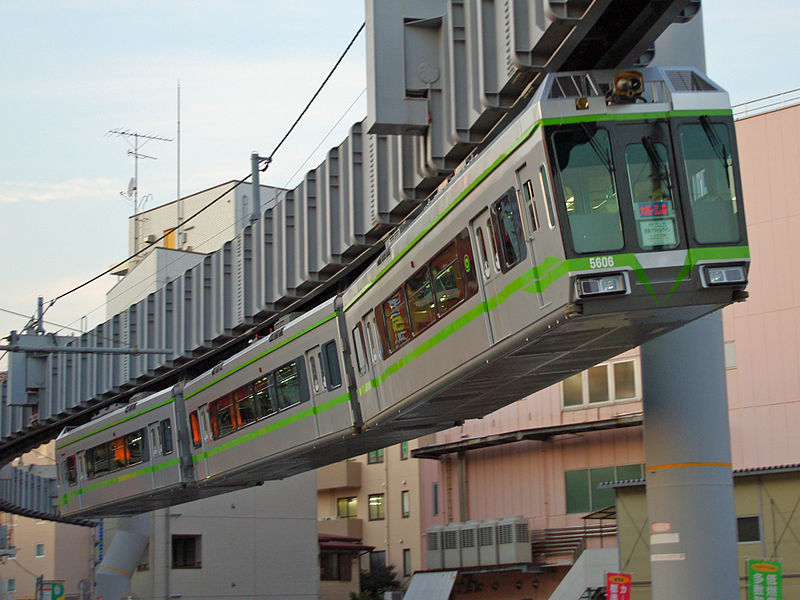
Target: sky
(74, 70)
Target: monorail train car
(607, 213)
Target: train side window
(527, 194)
(155, 439)
(222, 416)
(548, 199)
(288, 383)
(72, 470)
(98, 460)
(323, 370)
(420, 300)
(266, 398)
(245, 405)
(194, 424)
(120, 456)
(395, 316)
(165, 429)
(332, 365)
(491, 231)
(358, 343)
(467, 260)
(373, 348)
(508, 229)
(135, 446)
(448, 281)
(314, 376)
(482, 255)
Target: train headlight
(628, 86)
(725, 275)
(601, 284)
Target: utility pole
(139, 140)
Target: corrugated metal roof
(431, 586)
(771, 470)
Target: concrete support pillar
(688, 462)
(113, 575)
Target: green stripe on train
(206, 386)
(517, 143)
(553, 269)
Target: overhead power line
(237, 184)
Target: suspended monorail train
(607, 213)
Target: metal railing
(752, 108)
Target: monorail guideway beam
(468, 63)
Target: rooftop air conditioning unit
(469, 544)
(513, 541)
(435, 557)
(487, 542)
(451, 544)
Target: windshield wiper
(658, 163)
(716, 145)
(598, 150)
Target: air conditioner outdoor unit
(469, 544)
(434, 558)
(513, 540)
(150, 239)
(487, 542)
(452, 546)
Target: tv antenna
(139, 140)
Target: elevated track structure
(467, 68)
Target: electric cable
(237, 184)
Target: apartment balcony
(353, 528)
(345, 474)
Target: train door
(319, 388)
(200, 431)
(488, 261)
(531, 223)
(372, 360)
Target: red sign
(618, 586)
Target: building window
(403, 450)
(749, 529)
(335, 566)
(377, 507)
(377, 560)
(406, 562)
(346, 508)
(730, 355)
(582, 486)
(39, 550)
(11, 585)
(618, 381)
(435, 499)
(186, 552)
(405, 503)
(376, 456)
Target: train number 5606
(601, 262)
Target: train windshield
(644, 186)
(707, 159)
(585, 164)
(651, 187)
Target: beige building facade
(45, 549)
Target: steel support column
(688, 459)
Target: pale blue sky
(72, 70)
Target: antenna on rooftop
(139, 140)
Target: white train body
(584, 229)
